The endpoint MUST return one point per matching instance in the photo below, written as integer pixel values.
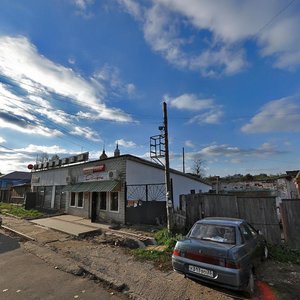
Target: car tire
(250, 288)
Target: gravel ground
(112, 265)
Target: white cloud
(20, 60)
(223, 28)
(111, 77)
(189, 144)
(83, 4)
(211, 117)
(234, 153)
(132, 7)
(18, 115)
(83, 8)
(18, 159)
(190, 102)
(276, 116)
(43, 149)
(2, 140)
(87, 133)
(28, 128)
(126, 144)
(212, 113)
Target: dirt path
(141, 279)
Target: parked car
(221, 251)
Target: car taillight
(176, 252)
(232, 264)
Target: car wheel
(250, 288)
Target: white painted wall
(138, 173)
(51, 177)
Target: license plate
(201, 271)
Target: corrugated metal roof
(95, 186)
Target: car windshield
(215, 233)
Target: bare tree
(198, 167)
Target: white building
(122, 189)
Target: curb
(18, 233)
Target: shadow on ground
(7, 243)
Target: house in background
(122, 188)
(14, 186)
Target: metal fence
(146, 204)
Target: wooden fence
(290, 214)
(259, 212)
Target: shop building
(121, 189)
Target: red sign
(30, 167)
(94, 169)
(100, 168)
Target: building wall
(76, 172)
(46, 182)
(138, 173)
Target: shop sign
(94, 169)
(94, 177)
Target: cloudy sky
(80, 75)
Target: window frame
(244, 239)
(100, 198)
(110, 202)
(81, 200)
(76, 200)
(71, 198)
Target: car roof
(221, 221)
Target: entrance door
(94, 206)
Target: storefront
(105, 189)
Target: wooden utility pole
(183, 161)
(169, 200)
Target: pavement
(72, 225)
(31, 278)
(61, 248)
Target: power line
(274, 17)
(60, 128)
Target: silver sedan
(221, 251)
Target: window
(213, 232)
(114, 201)
(80, 200)
(73, 203)
(76, 200)
(246, 232)
(103, 200)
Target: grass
(19, 211)
(284, 254)
(161, 259)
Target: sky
(83, 75)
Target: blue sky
(76, 75)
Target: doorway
(94, 206)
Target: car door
(251, 243)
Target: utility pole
(169, 200)
(183, 161)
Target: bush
(164, 237)
(284, 254)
